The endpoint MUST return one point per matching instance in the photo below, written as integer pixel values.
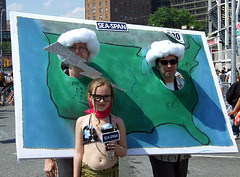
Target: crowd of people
(231, 91)
(225, 78)
(6, 89)
(225, 75)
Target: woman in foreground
(92, 157)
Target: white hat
(160, 49)
(82, 35)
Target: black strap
(175, 84)
(90, 119)
(110, 119)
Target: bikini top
(89, 132)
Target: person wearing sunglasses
(91, 154)
(84, 43)
(165, 56)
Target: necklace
(92, 137)
(100, 150)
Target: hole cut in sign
(179, 81)
(65, 68)
(71, 70)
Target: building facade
(129, 11)
(199, 8)
(159, 3)
(138, 11)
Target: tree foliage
(6, 48)
(173, 18)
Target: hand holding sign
(109, 135)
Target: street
(211, 165)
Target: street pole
(237, 11)
(2, 60)
(233, 71)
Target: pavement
(209, 165)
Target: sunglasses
(106, 98)
(165, 62)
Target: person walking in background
(228, 76)
(165, 55)
(238, 74)
(236, 108)
(7, 93)
(91, 154)
(232, 97)
(224, 69)
(222, 76)
(2, 84)
(220, 84)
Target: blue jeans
(169, 169)
(65, 167)
(235, 129)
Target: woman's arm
(236, 108)
(120, 147)
(226, 78)
(78, 152)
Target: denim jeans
(235, 129)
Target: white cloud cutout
(14, 7)
(48, 4)
(76, 13)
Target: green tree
(173, 18)
(6, 48)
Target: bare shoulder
(82, 120)
(119, 121)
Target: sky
(63, 8)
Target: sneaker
(236, 137)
